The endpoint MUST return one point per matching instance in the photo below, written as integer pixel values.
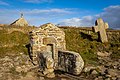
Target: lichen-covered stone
(48, 47)
(46, 62)
(100, 27)
(48, 37)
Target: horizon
(65, 13)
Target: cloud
(110, 14)
(84, 21)
(46, 11)
(62, 16)
(38, 1)
(34, 16)
(3, 3)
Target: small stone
(103, 54)
(102, 69)
(100, 78)
(96, 79)
(50, 75)
(114, 78)
(108, 75)
(63, 79)
(107, 79)
(0, 74)
(112, 72)
(88, 68)
(21, 53)
(94, 72)
(19, 69)
(42, 78)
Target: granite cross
(101, 27)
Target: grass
(87, 45)
(81, 42)
(13, 42)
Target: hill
(14, 40)
(101, 59)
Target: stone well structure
(49, 40)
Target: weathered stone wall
(49, 40)
(48, 35)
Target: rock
(63, 79)
(0, 75)
(102, 69)
(114, 78)
(112, 72)
(6, 58)
(107, 79)
(88, 68)
(49, 64)
(96, 79)
(50, 75)
(47, 71)
(94, 72)
(103, 54)
(29, 76)
(100, 78)
(21, 53)
(107, 75)
(42, 78)
(19, 69)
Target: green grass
(13, 42)
(87, 45)
(77, 41)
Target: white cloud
(34, 16)
(110, 14)
(3, 3)
(85, 21)
(38, 1)
(39, 11)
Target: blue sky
(62, 12)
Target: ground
(101, 59)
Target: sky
(61, 12)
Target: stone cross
(100, 27)
(21, 15)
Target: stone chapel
(20, 22)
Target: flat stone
(107, 79)
(88, 68)
(42, 78)
(94, 72)
(50, 75)
(114, 78)
(19, 69)
(103, 54)
(63, 79)
(0, 75)
(112, 72)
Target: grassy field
(13, 42)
